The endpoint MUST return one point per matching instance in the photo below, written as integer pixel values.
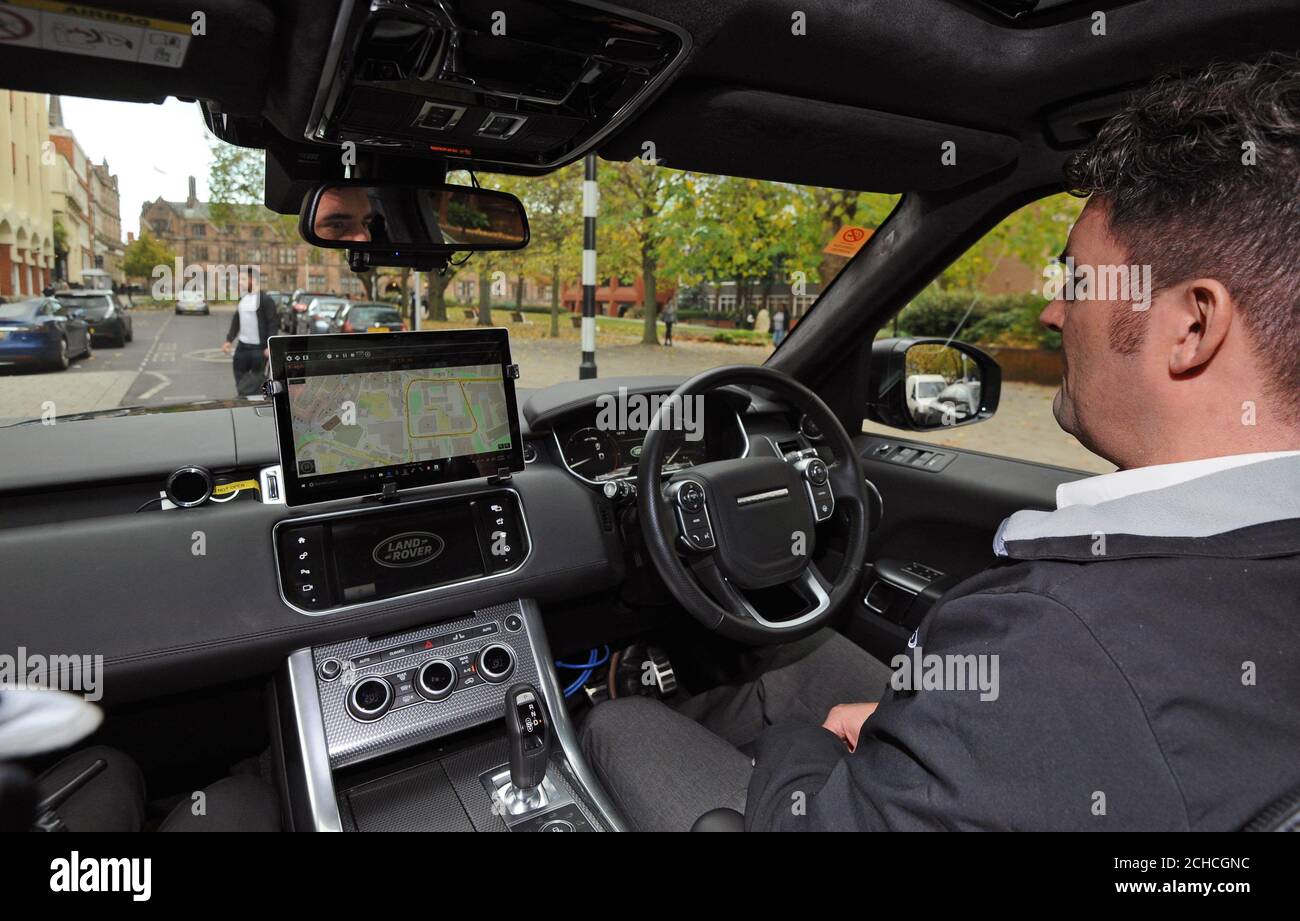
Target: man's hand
(845, 720)
(225, 348)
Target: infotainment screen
(359, 413)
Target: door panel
(941, 513)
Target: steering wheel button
(690, 497)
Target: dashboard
(177, 598)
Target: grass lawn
(628, 330)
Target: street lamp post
(587, 369)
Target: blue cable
(577, 684)
(595, 659)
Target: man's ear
(1201, 311)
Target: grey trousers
(666, 766)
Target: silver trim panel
(809, 582)
(762, 496)
(321, 800)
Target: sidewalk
(23, 396)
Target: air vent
(530, 452)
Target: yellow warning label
(109, 16)
(225, 489)
(73, 28)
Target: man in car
(1144, 634)
(345, 213)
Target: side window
(991, 297)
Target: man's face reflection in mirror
(345, 213)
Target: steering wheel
(723, 528)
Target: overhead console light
(524, 84)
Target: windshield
(94, 305)
(18, 311)
(693, 270)
(367, 314)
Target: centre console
(457, 725)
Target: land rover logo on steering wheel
(410, 548)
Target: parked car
(40, 332)
(192, 302)
(923, 394)
(320, 314)
(106, 313)
(368, 317)
(298, 303)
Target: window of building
(199, 230)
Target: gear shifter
(528, 729)
(529, 732)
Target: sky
(153, 149)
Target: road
(178, 358)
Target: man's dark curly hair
(1200, 175)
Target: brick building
(70, 191)
(106, 221)
(269, 241)
(618, 296)
(26, 215)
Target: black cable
(149, 503)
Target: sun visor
(761, 135)
(139, 50)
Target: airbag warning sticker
(76, 29)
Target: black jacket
(1148, 678)
(268, 322)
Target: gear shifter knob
(529, 731)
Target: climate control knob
(370, 699)
(496, 662)
(436, 679)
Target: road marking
(213, 355)
(154, 344)
(165, 382)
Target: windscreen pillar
(590, 202)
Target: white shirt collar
(1122, 483)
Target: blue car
(38, 332)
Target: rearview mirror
(922, 384)
(372, 217)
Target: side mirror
(923, 384)
(366, 216)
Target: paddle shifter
(528, 729)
